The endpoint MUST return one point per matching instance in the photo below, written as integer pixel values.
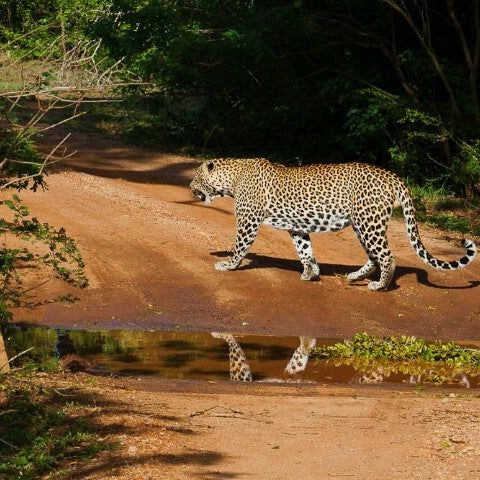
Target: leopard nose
(200, 195)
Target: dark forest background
(390, 82)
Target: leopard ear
(210, 166)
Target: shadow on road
(110, 158)
(332, 269)
(178, 174)
(51, 426)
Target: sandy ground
(149, 248)
(182, 430)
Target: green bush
(54, 250)
(41, 433)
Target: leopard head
(214, 178)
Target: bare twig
(201, 412)
(229, 413)
(422, 33)
(470, 60)
(76, 78)
(63, 394)
(11, 445)
(65, 120)
(46, 162)
(10, 360)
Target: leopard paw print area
(317, 198)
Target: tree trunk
(423, 35)
(4, 365)
(471, 59)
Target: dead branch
(72, 117)
(471, 60)
(8, 444)
(422, 33)
(46, 162)
(201, 412)
(354, 31)
(76, 77)
(229, 413)
(20, 354)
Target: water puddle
(210, 356)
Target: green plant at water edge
(28, 242)
(402, 349)
(42, 432)
(436, 362)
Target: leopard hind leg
(363, 272)
(368, 268)
(376, 246)
(303, 246)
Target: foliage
(387, 82)
(21, 160)
(467, 167)
(55, 250)
(41, 432)
(31, 27)
(437, 206)
(437, 361)
(230, 74)
(402, 349)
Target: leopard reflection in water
(240, 370)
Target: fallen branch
(9, 444)
(229, 413)
(201, 412)
(20, 354)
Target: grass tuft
(40, 432)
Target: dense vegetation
(385, 81)
(46, 432)
(392, 82)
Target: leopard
(317, 198)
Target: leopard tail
(406, 201)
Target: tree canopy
(391, 82)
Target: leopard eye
(210, 166)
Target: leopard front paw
(312, 272)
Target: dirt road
(150, 249)
(208, 431)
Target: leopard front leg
(247, 229)
(303, 246)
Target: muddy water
(206, 356)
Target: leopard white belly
(330, 223)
